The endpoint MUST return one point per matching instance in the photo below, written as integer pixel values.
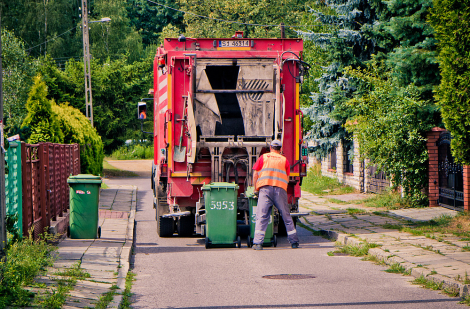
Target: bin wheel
(275, 241)
(207, 242)
(248, 242)
(99, 231)
(239, 242)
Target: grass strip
(318, 184)
(111, 171)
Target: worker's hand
(256, 193)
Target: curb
(125, 256)
(416, 272)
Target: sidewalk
(106, 259)
(443, 258)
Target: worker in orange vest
(271, 176)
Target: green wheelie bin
(269, 238)
(84, 200)
(220, 199)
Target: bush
(133, 152)
(24, 261)
(77, 129)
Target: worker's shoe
(295, 245)
(257, 247)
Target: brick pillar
(466, 187)
(433, 173)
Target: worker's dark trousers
(269, 196)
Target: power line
(52, 38)
(223, 20)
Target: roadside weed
(396, 268)
(126, 296)
(355, 211)
(428, 284)
(25, 259)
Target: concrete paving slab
(101, 258)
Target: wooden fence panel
(45, 169)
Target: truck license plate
(238, 43)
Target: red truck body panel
(201, 135)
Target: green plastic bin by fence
(269, 238)
(13, 185)
(220, 200)
(84, 200)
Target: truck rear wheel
(185, 226)
(165, 227)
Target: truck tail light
(303, 169)
(161, 62)
(164, 169)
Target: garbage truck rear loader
(218, 103)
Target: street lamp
(86, 59)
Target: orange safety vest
(273, 172)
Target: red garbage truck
(218, 103)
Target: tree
(405, 42)
(117, 38)
(117, 87)
(245, 12)
(395, 31)
(150, 19)
(450, 21)
(37, 22)
(41, 120)
(18, 72)
(390, 124)
(77, 129)
(345, 44)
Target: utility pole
(3, 210)
(283, 33)
(86, 63)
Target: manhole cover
(289, 277)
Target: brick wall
(433, 172)
(466, 187)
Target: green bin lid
(84, 178)
(220, 185)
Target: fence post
(45, 213)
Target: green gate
(13, 184)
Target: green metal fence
(13, 185)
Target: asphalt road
(180, 273)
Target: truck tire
(152, 182)
(185, 226)
(282, 228)
(165, 227)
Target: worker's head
(276, 145)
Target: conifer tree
(396, 31)
(41, 120)
(450, 20)
(347, 45)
